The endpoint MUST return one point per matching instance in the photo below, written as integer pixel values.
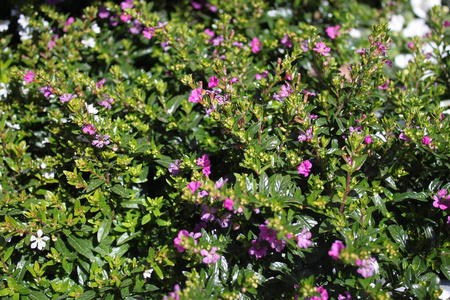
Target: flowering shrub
(224, 149)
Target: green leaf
(358, 162)
(399, 236)
(120, 190)
(103, 229)
(88, 295)
(81, 246)
(270, 143)
(434, 185)
(36, 295)
(411, 195)
(173, 103)
(94, 184)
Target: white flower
(95, 28)
(90, 42)
(3, 90)
(355, 33)
(39, 240)
(148, 273)
(23, 21)
(416, 27)
(421, 7)
(91, 109)
(396, 23)
(4, 25)
(402, 60)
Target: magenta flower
(88, 128)
(213, 82)
(256, 45)
(304, 168)
(196, 5)
(126, 4)
(426, 140)
(228, 204)
(368, 140)
(260, 76)
(125, 17)
(106, 102)
(46, 90)
(99, 84)
(267, 234)
(178, 241)
(101, 140)
(196, 95)
(384, 86)
(67, 97)
(403, 136)
(29, 77)
(257, 249)
(211, 256)
(442, 200)
(305, 136)
(322, 48)
(323, 293)
(347, 296)
(285, 91)
(304, 239)
(149, 32)
(210, 32)
(174, 168)
(333, 32)
(336, 249)
(194, 185)
(69, 21)
(366, 267)
(286, 41)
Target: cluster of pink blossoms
(442, 200)
(322, 49)
(336, 249)
(205, 163)
(305, 168)
(366, 266)
(182, 239)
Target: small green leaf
(81, 246)
(88, 295)
(35, 295)
(94, 184)
(120, 190)
(103, 229)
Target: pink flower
(106, 102)
(347, 296)
(323, 293)
(196, 95)
(426, 140)
(194, 185)
(384, 86)
(260, 76)
(46, 90)
(196, 5)
(101, 140)
(125, 17)
(127, 4)
(442, 200)
(336, 249)
(367, 267)
(219, 183)
(304, 239)
(208, 213)
(149, 32)
(210, 32)
(322, 48)
(179, 240)
(67, 97)
(368, 139)
(174, 168)
(286, 41)
(304, 168)
(88, 128)
(29, 77)
(403, 136)
(228, 204)
(99, 84)
(69, 21)
(209, 257)
(256, 45)
(213, 82)
(103, 13)
(257, 249)
(333, 32)
(411, 45)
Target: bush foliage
(225, 149)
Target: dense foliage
(224, 150)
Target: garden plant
(224, 149)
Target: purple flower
(67, 97)
(260, 76)
(213, 82)
(125, 17)
(256, 45)
(267, 234)
(426, 140)
(218, 40)
(219, 183)
(333, 32)
(88, 128)
(322, 48)
(304, 239)
(149, 32)
(196, 5)
(283, 93)
(257, 249)
(136, 28)
(207, 214)
(203, 193)
(106, 102)
(196, 95)
(101, 140)
(210, 32)
(368, 140)
(367, 267)
(347, 296)
(336, 249)
(46, 90)
(194, 185)
(174, 168)
(211, 256)
(126, 4)
(305, 136)
(388, 62)
(384, 86)
(286, 41)
(99, 84)
(278, 245)
(403, 136)
(224, 220)
(304, 168)
(29, 77)
(228, 204)
(361, 51)
(103, 13)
